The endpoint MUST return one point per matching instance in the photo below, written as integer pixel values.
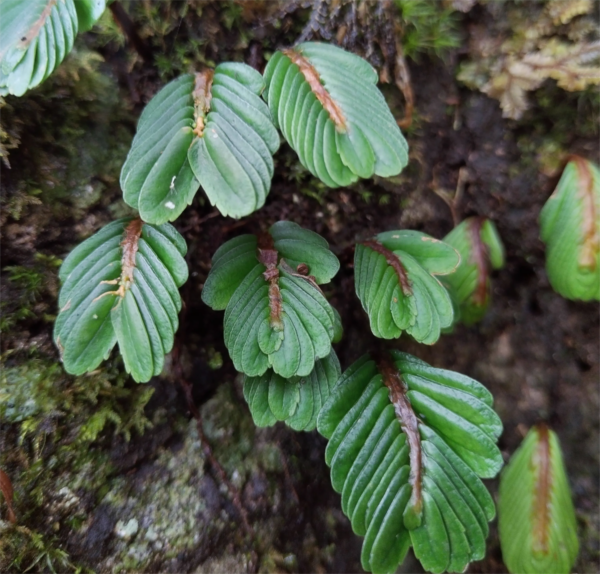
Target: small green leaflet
(209, 129)
(327, 105)
(88, 12)
(408, 444)
(275, 313)
(121, 286)
(538, 529)
(35, 37)
(481, 249)
(297, 401)
(394, 276)
(570, 227)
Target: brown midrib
(36, 26)
(394, 261)
(409, 423)
(591, 240)
(543, 485)
(268, 256)
(318, 89)
(130, 245)
(479, 257)
(202, 97)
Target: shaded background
(110, 476)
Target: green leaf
(326, 103)
(538, 529)
(481, 250)
(121, 285)
(297, 246)
(209, 129)
(395, 281)
(88, 12)
(570, 227)
(296, 401)
(275, 314)
(406, 452)
(35, 37)
(157, 178)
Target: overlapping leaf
(394, 275)
(326, 103)
(88, 12)
(121, 285)
(481, 250)
(275, 314)
(297, 401)
(407, 445)
(204, 129)
(538, 529)
(35, 37)
(570, 227)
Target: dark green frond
(407, 447)
(538, 528)
(121, 286)
(326, 103)
(395, 280)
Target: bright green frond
(327, 105)
(276, 316)
(570, 227)
(395, 280)
(35, 37)
(538, 529)
(406, 453)
(121, 286)
(481, 250)
(209, 129)
(296, 401)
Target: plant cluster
(408, 443)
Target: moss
(26, 287)
(427, 27)
(50, 450)
(73, 125)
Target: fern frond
(297, 401)
(210, 129)
(481, 250)
(570, 227)
(326, 103)
(394, 276)
(121, 285)
(538, 529)
(408, 444)
(35, 37)
(275, 313)
(88, 12)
